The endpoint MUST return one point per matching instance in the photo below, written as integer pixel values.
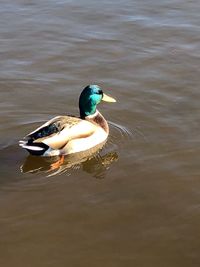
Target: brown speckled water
(137, 201)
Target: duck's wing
(57, 132)
(52, 127)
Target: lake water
(137, 201)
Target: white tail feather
(22, 142)
(34, 148)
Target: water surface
(136, 202)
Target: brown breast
(99, 120)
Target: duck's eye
(100, 92)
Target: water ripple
(121, 135)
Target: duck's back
(52, 127)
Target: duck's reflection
(95, 163)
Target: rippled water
(135, 202)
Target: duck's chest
(99, 121)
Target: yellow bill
(108, 98)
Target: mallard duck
(65, 135)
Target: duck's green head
(90, 97)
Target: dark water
(137, 201)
